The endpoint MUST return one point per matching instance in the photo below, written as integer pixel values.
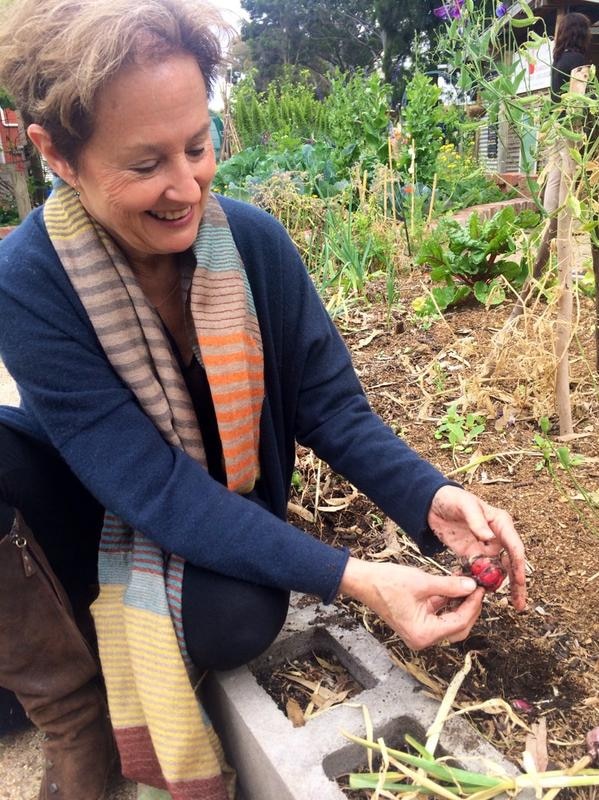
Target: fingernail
(468, 585)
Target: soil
(544, 662)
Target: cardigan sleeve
(95, 423)
(335, 419)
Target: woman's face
(145, 174)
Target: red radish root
(486, 571)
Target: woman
(570, 50)
(170, 349)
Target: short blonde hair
(56, 55)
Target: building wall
(11, 144)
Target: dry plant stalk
(521, 365)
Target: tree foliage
(405, 31)
(318, 35)
(5, 99)
(322, 35)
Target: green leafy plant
(460, 430)
(343, 267)
(472, 43)
(422, 125)
(311, 166)
(288, 107)
(427, 776)
(8, 213)
(462, 183)
(287, 129)
(419, 772)
(474, 260)
(356, 111)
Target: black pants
(226, 621)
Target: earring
(76, 192)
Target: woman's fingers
(429, 625)
(513, 558)
(469, 526)
(456, 623)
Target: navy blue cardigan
(72, 398)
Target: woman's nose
(184, 182)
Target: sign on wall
(536, 67)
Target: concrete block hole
(353, 757)
(302, 648)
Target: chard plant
(474, 260)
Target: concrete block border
(275, 761)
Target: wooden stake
(385, 196)
(432, 203)
(565, 247)
(413, 198)
(563, 326)
(595, 252)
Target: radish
(486, 571)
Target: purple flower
(501, 10)
(452, 9)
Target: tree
(406, 33)
(319, 35)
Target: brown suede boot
(47, 663)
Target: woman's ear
(57, 163)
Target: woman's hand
(469, 526)
(411, 601)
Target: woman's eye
(145, 169)
(195, 152)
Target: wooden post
(563, 328)
(564, 241)
(503, 136)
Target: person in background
(570, 50)
(170, 349)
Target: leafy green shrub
(422, 125)
(8, 216)
(286, 129)
(461, 182)
(356, 111)
(287, 108)
(312, 167)
(474, 259)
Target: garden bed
(544, 662)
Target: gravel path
(20, 754)
(21, 769)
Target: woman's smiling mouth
(170, 216)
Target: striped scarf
(164, 737)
